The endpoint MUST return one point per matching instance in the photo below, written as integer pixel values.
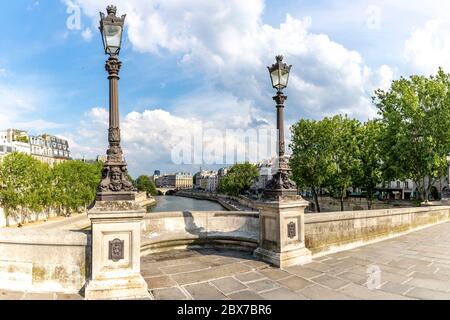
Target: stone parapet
(337, 231)
(44, 261)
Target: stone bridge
(378, 254)
(166, 191)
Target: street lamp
(115, 185)
(280, 185)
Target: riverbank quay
(239, 203)
(78, 221)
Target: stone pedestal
(116, 246)
(282, 232)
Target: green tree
(24, 185)
(369, 173)
(345, 157)
(75, 184)
(239, 179)
(145, 184)
(311, 160)
(416, 139)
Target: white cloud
(86, 34)
(428, 48)
(230, 45)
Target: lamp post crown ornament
(111, 10)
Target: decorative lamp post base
(116, 252)
(280, 186)
(282, 232)
(116, 196)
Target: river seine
(173, 203)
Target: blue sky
(195, 65)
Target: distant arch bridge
(166, 191)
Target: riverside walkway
(412, 266)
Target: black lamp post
(280, 185)
(115, 185)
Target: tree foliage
(239, 179)
(27, 185)
(311, 160)
(369, 173)
(416, 138)
(145, 184)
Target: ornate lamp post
(282, 213)
(115, 185)
(116, 217)
(280, 185)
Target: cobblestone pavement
(413, 266)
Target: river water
(172, 203)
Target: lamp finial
(111, 10)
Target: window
(398, 185)
(406, 185)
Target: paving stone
(274, 274)
(153, 272)
(68, 297)
(160, 282)
(427, 294)
(282, 294)
(295, 283)
(222, 261)
(396, 288)
(204, 291)
(317, 266)
(11, 295)
(257, 265)
(430, 275)
(353, 277)
(228, 285)
(211, 274)
(317, 292)
(169, 294)
(393, 277)
(303, 272)
(429, 284)
(39, 296)
(184, 268)
(249, 276)
(364, 293)
(262, 285)
(331, 282)
(245, 295)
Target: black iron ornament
(116, 250)
(292, 230)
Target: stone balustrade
(337, 231)
(59, 261)
(180, 230)
(44, 261)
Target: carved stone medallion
(292, 230)
(116, 250)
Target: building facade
(45, 148)
(179, 180)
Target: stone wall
(328, 204)
(180, 230)
(15, 219)
(44, 261)
(331, 232)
